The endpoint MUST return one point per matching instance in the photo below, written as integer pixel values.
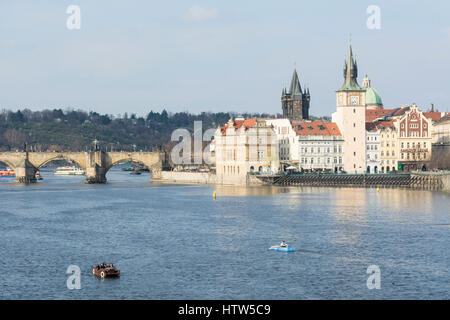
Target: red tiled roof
(435, 116)
(372, 114)
(375, 125)
(370, 126)
(400, 111)
(316, 127)
(238, 124)
(384, 124)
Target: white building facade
(373, 149)
(321, 146)
(351, 118)
(287, 141)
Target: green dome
(372, 97)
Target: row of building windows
(414, 125)
(413, 144)
(414, 155)
(414, 134)
(320, 160)
(231, 169)
(323, 149)
(387, 153)
(312, 142)
(387, 161)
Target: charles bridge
(94, 163)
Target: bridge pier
(25, 172)
(95, 167)
(95, 174)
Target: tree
(14, 138)
(17, 117)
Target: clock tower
(351, 117)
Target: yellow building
(388, 146)
(243, 147)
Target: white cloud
(197, 13)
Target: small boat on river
(283, 249)
(38, 175)
(69, 171)
(8, 173)
(105, 270)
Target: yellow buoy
(214, 194)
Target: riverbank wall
(186, 177)
(416, 180)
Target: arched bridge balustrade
(95, 164)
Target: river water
(177, 242)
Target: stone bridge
(95, 163)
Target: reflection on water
(218, 249)
(241, 191)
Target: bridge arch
(38, 163)
(150, 160)
(8, 163)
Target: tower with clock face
(351, 118)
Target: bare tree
(14, 138)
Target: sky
(136, 56)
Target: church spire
(350, 73)
(295, 89)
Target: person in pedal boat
(283, 244)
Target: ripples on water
(176, 242)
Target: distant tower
(295, 103)
(351, 117)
